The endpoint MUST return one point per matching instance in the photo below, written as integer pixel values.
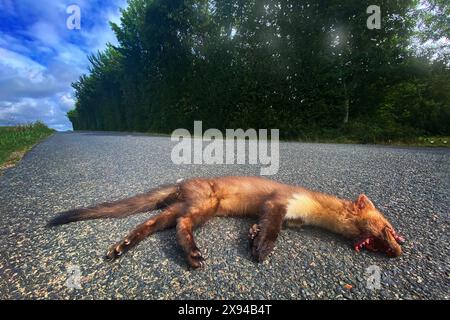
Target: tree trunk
(346, 104)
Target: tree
(310, 68)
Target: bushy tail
(157, 198)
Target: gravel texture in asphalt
(410, 185)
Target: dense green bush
(310, 68)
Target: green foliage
(18, 139)
(310, 68)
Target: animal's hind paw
(261, 249)
(196, 259)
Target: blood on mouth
(374, 244)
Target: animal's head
(376, 232)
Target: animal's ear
(364, 202)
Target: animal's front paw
(118, 249)
(196, 259)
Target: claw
(253, 231)
(116, 250)
(196, 259)
(108, 257)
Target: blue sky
(40, 57)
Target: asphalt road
(68, 170)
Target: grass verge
(16, 141)
(443, 141)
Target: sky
(40, 56)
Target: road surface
(67, 170)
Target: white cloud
(101, 33)
(13, 64)
(67, 100)
(29, 110)
(31, 91)
(7, 41)
(41, 58)
(45, 32)
(22, 77)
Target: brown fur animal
(191, 203)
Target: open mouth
(376, 244)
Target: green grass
(435, 141)
(361, 133)
(16, 141)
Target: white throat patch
(301, 206)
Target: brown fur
(193, 202)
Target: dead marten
(190, 203)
